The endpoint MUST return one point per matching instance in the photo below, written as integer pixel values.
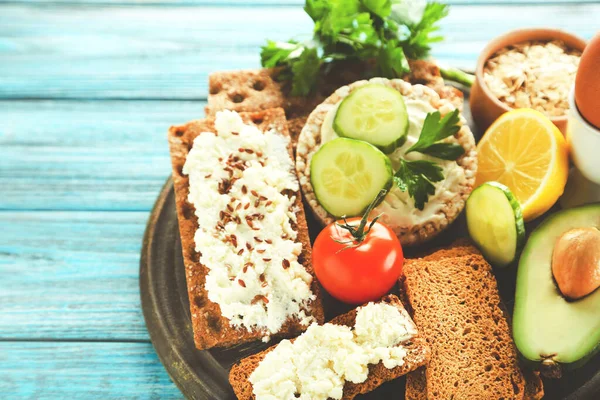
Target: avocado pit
(576, 262)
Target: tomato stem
(358, 233)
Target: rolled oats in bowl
(534, 75)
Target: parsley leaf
(417, 177)
(316, 9)
(417, 45)
(381, 8)
(303, 64)
(305, 71)
(445, 151)
(274, 54)
(435, 129)
(368, 31)
(391, 61)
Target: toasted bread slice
(416, 385)
(210, 327)
(255, 90)
(456, 305)
(418, 355)
(416, 382)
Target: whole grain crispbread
(210, 327)
(456, 305)
(418, 355)
(255, 90)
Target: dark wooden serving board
(204, 374)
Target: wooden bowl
(485, 107)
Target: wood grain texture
(71, 275)
(33, 370)
(276, 3)
(157, 52)
(107, 155)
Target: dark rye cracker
(417, 355)
(455, 303)
(255, 90)
(210, 327)
(416, 382)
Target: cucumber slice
(347, 175)
(495, 223)
(376, 114)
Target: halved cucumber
(347, 175)
(376, 114)
(495, 223)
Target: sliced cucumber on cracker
(347, 175)
(376, 114)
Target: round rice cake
(412, 226)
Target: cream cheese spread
(398, 208)
(239, 180)
(318, 363)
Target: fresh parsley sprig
(302, 63)
(418, 176)
(363, 30)
(436, 129)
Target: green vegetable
(347, 174)
(495, 223)
(458, 76)
(384, 31)
(375, 114)
(422, 34)
(303, 63)
(418, 178)
(435, 129)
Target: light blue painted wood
(107, 155)
(70, 275)
(161, 52)
(277, 3)
(50, 371)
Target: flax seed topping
(250, 285)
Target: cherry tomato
(357, 271)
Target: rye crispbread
(416, 382)
(455, 302)
(418, 355)
(255, 90)
(210, 327)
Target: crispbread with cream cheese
(255, 90)
(210, 327)
(417, 355)
(414, 226)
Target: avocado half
(548, 329)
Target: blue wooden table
(88, 89)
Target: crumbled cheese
(318, 363)
(397, 208)
(246, 237)
(534, 75)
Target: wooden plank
(155, 52)
(104, 155)
(274, 3)
(70, 275)
(71, 370)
